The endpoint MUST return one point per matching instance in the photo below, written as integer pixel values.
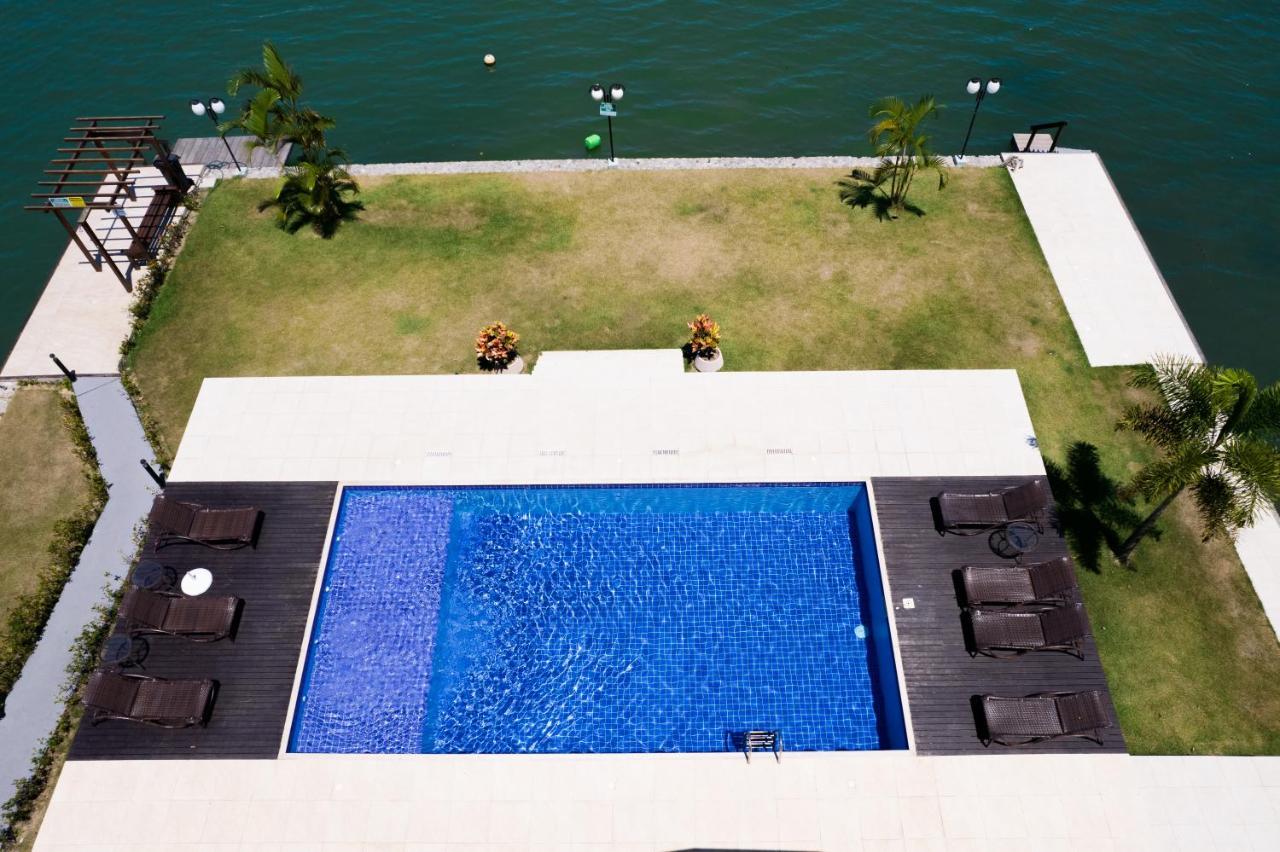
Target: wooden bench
(163, 203)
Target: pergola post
(75, 238)
(105, 255)
(106, 152)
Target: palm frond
(1263, 419)
(1172, 472)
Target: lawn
(41, 482)
(622, 260)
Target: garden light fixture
(979, 89)
(213, 108)
(606, 98)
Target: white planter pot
(709, 365)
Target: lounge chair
(222, 529)
(1042, 717)
(204, 619)
(153, 700)
(981, 512)
(1009, 632)
(1040, 582)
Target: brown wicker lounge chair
(138, 698)
(1009, 632)
(1042, 717)
(1040, 582)
(204, 619)
(981, 512)
(222, 529)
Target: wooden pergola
(95, 170)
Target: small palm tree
(1218, 437)
(903, 151)
(316, 192)
(274, 115)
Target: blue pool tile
(596, 619)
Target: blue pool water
(599, 619)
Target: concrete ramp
(1120, 304)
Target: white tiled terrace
(811, 801)
(610, 417)
(614, 417)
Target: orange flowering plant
(705, 337)
(496, 346)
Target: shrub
(704, 341)
(496, 346)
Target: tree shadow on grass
(1091, 507)
(863, 196)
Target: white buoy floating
(490, 60)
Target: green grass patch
(50, 497)
(623, 260)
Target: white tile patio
(1120, 304)
(628, 417)
(823, 801)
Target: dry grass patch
(41, 482)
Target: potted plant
(496, 350)
(704, 344)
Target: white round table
(197, 581)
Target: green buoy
(592, 142)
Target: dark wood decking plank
(255, 673)
(940, 675)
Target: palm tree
(903, 151)
(1217, 436)
(274, 115)
(317, 192)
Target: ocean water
(1179, 97)
(504, 620)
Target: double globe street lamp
(213, 108)
(607, 98)
(980, 89)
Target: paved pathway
(1119, 302)
(35, 703)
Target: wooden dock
(255, 672)
(941, 677)
(210, 150)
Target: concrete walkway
(83, 314)
(1118, 301)
(34, 705)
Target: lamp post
(980, 90)
(213, 108)
(606, 98)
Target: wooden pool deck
(255, 672)
(941, 677)
(277, 578)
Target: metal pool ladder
(770, 740)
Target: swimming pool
(599, 619)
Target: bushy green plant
(903, 151)
(1217, 433)
(275, 115)
(317, 192)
